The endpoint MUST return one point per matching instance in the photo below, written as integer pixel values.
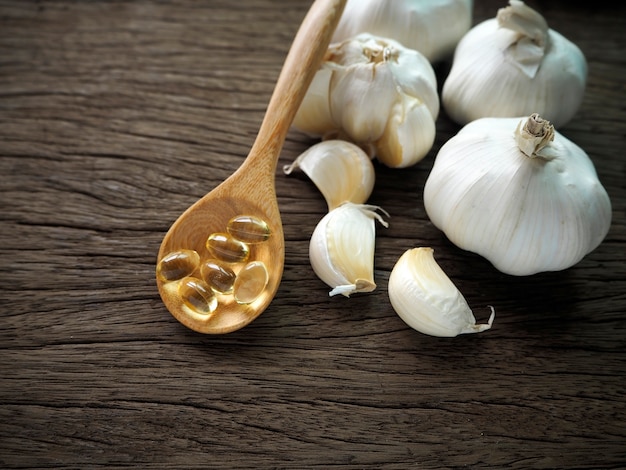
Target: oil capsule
(197, 296)
(251, 282)
(177, 265)
(248, 229)
(218, 276)
(226, 248)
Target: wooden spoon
(249, 191)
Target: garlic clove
(409, 136)
(341, 248)
(341, 170)
(427, 300)
(431, 27)
(524, 213)
(369, 94)
(514, 65)
(415, 76)
(317, 120)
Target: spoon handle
(302, 62)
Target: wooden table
(115, 116)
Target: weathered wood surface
(116, 116)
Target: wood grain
(115, 116)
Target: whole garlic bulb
(427, 300)
(514, 65)
(376, 93)
(518, 193)
(341, 170)
(432, 27)
(341, 249)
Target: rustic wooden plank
(116, 116)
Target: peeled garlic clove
(377, 93)
(427, 300)
(514, 65)
(341, 170)
(341, 249)
(518, 193)
(432, 28)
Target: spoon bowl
(250, 191)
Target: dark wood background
(115, 116)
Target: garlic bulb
(427, 300)
(518, 193)
(341, 249)
(514, 65)
(376, 93)
(432, 27)
(341, 170)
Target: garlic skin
(376, 93)
(341, 249)
(427, 300)
(341, 170)
(432, 27)
(518, 193)
(514, 65)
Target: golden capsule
(177, 265)
(218, 276)
(248, 229)
(225, 248)
(197, 296)
(251, 282)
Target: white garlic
(341, 170)
(341, 249)
(518, 193)
(427, 300)
(432, 27)
(376, 93)
(514, 65)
